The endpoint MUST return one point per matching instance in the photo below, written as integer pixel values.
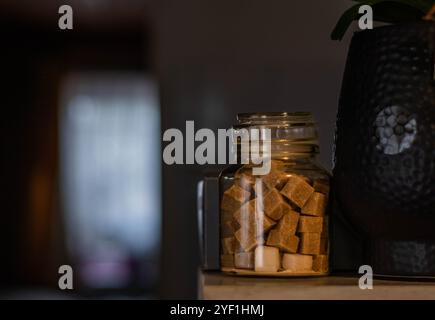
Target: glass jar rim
(290, 133)
(271, 117)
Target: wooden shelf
(220, 286)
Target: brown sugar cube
(261, 223)
(294, 207)
(281, 182)
(272, 179)
(233, 198)
(251, 214)
(315, 205)
(234, 225)
(289, 222)
(276, 177)
(274, 205)
(248, 238)
(297, 262)
(310, 224)
(244, 260)
(310, 243)
(245, 211)
(226, 222)
(297, 190)
(261, 190)
(253, 224)
(320, 263)
(267, 259)
(252, 230)
(228, 245)
(228, 225)
(227, 260)
(306, 179)
(324, 243)
(226, 215)
(264, 222)
(245, 181)
(238, 247)
(283, 240)
(321, 186)
(227, 229)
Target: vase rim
(398, 25)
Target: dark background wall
(213, 59)
(218, 58)
(34, 59)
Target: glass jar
(275, 224)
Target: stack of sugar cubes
(275, 223)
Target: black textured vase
(384, 173)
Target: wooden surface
(219, 286)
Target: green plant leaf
(344, 22)
(423, 5)
(385, 11)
